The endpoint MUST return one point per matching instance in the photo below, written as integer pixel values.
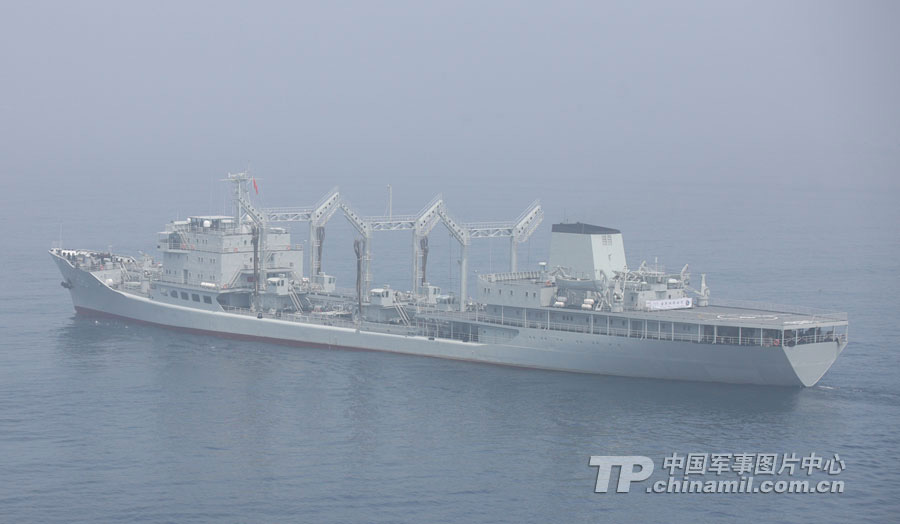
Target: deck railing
(602, 329)
(416, 329)
(434, 323)
(816, 314)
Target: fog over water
(757, 141)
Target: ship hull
(534, 348)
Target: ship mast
(242, 206)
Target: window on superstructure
(184, 295)
(195, 297)
(206, 299)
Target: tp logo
(627, 473)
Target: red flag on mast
(255, 187)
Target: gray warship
(584, 310)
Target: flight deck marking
(747, 317)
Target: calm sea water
(108, 421)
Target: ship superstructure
(584, 310)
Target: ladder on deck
(234, 279)
(403, 315)
(295, 300)
(126, 276)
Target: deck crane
(364, 228)
(463, 236)
(317, 216)
(518, 232)
(425, 221)
(421, 224)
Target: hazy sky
(496, 93)
(772, 128)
